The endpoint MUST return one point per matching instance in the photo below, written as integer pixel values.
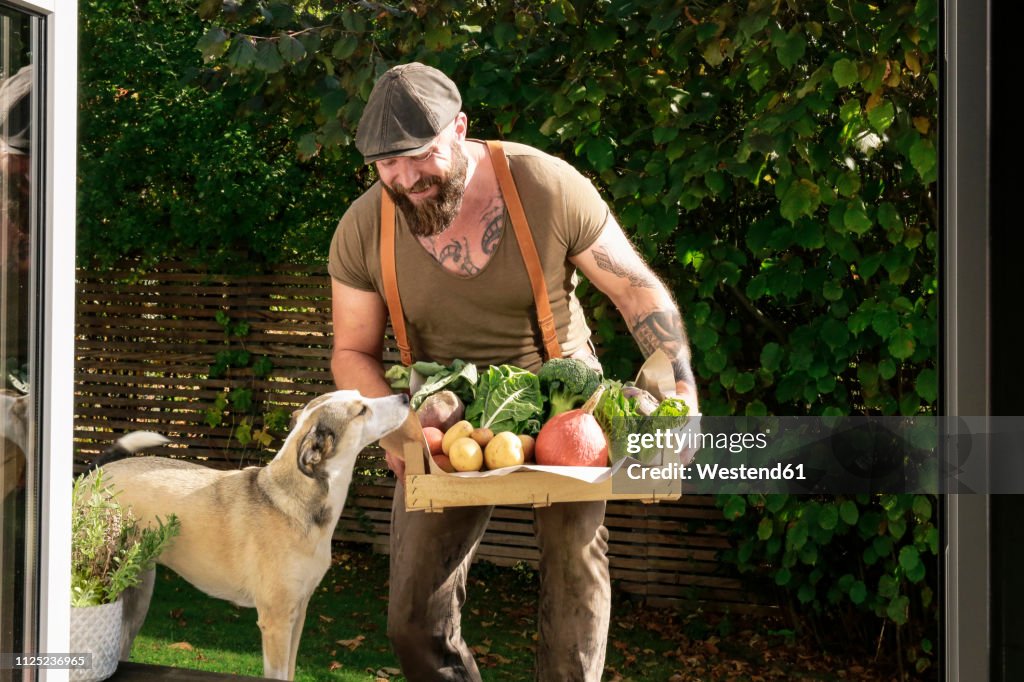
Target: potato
(528, 445)
(482, 436)
(461, 429)
(466, 455)
(444, 463)
(434, 438)
(504, 450)
(441, 410)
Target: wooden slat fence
(145, 344)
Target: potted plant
(109, 554)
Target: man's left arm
(613, 266)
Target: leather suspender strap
(552, 348)
(388, 274)
(545, 318)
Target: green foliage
(175, 165)
(236, 401)
(865, 560)
(776, 165)
(109, 550)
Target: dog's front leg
(300, 622)
(277, 622)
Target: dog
(260, 536)
(14, 418)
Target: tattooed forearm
(638, 277)
(664, 329)
(494, 219)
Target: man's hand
(392, 444)
(396, 464)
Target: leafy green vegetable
(671, 407)
(619, 416)
(398, 377)
(429, 369)
(461, 379)
(507, 399)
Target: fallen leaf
(335, 666)
(183, 646)
(352, 644)
(326, 619)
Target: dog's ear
(316, 447)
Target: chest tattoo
(494, 227)
(457, 257)
(467, 255)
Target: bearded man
(465, 293)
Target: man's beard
(433, 215)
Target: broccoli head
(567, 383)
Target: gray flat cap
(409, 106)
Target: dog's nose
(405, 398)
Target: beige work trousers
(430, 557)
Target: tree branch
(772, 326)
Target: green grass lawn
(345, 636)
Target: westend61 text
(716, 472)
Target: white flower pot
(96, 630)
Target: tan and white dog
(261, 536)
(14, 418)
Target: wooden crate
(433, 491)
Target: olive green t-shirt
(489, 318)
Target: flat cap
(409, 106)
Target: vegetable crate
(428, 488)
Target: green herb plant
(109, 549)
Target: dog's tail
(128, 445)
